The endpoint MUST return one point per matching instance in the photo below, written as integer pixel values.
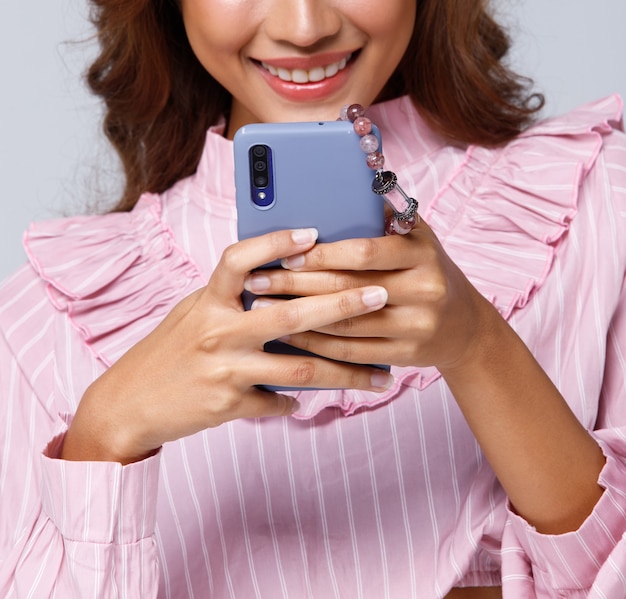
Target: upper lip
(306, 62)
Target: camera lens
(259, 165)
(258, 151)
(260, 181)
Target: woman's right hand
(199, 367)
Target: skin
(248, 31)
(399, 299)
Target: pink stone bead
(343, 113)
(398, 227)
(354, 111)
(375, 160)
(369, 143)
(362, 126)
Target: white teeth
(317, 74)
(284, 74)
(299, 76)
(331, 70)
(311, 76)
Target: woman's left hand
(434, 316)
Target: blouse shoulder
(501, 213)
(115, 275)
(505, 210)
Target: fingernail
(304, 236)
(260, 303)
(256, 283)
(381, 380)
(295, 406)
(375, 297)
(293, 261)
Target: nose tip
(303, 23)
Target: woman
(491, 461)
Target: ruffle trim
(502, 222)
(117, 276)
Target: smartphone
(300, 175)
(314, 174)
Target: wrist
(95, 434)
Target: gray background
(55, 162)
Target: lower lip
(306, 92)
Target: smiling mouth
(303, 76)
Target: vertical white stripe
(70, 364)
(198, 513)
(377, 508)
(34, 589)
(322, 507)
(444, 396)
(405, 511)
(9, 401)
(242, 509)
(179, 530)
(349, 501)
(268, 504)
(295, 508)
(218, 519)
(163, 563)
(421, 434)
(87, 502)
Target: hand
(199, 367)
(433, 317)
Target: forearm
(544, 458)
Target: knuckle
(365, 250)
(344, 327)
(342, 281)
(230, 257)
(345, 305)
(316, 258)
(343, 351)
(356, 380)
(276, 241)
(304, 373)
(221, 376)
(436, 288)
(286, 279)
(288, 316)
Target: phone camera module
(261, 175)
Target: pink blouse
(359, 495)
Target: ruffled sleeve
(116, 275)
(504, 211)
(501, 215)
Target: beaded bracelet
(385, 183)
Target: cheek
(216, 28)
(392, 20)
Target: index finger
(393, 252)
(242, 257)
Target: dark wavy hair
(160, 100)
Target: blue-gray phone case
(312, 174)
(320, 179)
